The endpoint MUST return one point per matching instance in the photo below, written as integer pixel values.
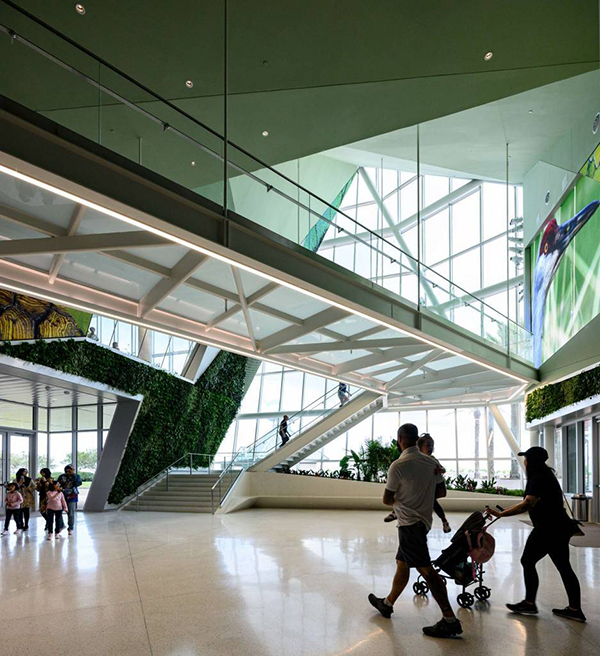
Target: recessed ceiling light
(531, 111)
(488, 55)
(193, 163)
(189, 84)
(547, 198)
(596, 123)
(80, 9)
(265, 133)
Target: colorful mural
(25, 317)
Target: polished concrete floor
(262, 582)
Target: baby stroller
(470, 547)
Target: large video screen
(565, 266)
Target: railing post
(137, 499)
(167, 480)
(190, 464)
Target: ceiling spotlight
(193, 163)
(265, 133)
(80, 9)
(189, 84)
(596, 123)
(488, 55)
(531, 111)
(66, 392)
(547, 198)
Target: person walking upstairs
(283, 430)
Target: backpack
(482, 548)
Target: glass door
(15, 452)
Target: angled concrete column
(144, 344)
(508, 436)
(112, 454)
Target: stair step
(174, 509)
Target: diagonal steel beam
(247, 318)
(186, 266)
(354, 345)
(234, 309)
(411, 260)
(388, 355)
(309, 325)
(81, 243)
(432, 355)
(72, 228)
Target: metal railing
(494, 326)
(186, 463)
(248, 456)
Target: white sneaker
(18, 531)
(4, 532)
(446, 527)
(49, 536)
(57, 536)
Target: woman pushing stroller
(552, 530)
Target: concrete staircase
(187, 493)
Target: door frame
(5, 435)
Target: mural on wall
(566, 275)
(25, 317)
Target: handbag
(574, 524)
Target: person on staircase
(283, 430)
(343, 395)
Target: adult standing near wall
(27, 489)
(70, 482)
(552, 531)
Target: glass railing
(94, 98)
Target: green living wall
(175, 418)
(551, 398)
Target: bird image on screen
(553, 246)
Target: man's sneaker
(70, 532)
(389, 518)
(443, 629)
(4, 532)
(57, 536)
(446, 527)
(523, 608)
(569, 614)
(25, 528)
(385, 609)
(49, 536)
(18, 531)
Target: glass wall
(467, 440)
(165, 351)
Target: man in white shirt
(413, 484)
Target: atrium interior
(241, 245)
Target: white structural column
(510, 438)
(549, 444)
(534, 437)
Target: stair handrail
(294, 417)
(221, 476)
(166, 469)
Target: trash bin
(581, 507)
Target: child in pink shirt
(12, 502)
(55, 505)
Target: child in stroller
(462, 561)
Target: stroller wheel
(465, 600)
(482, 593)
(420, 588)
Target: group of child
(54, 496)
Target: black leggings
(439, 511)
(25, 517)
(556, 545)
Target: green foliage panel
(175, 417)
(551, 398)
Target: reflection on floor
(262, 582)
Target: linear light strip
(229, 261)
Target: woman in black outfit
(552, 530)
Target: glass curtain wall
(467, 440)
(166, 351)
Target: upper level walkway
(87, 228)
